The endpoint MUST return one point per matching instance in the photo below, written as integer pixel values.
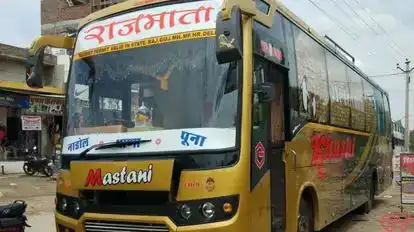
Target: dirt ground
(378, 220)
(39, 193)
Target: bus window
(293, 81)
(388, 120)
(379, 109)
(338, 91)
(370, 118)
(277, 106)
(259, 71)
(357, 99)
(312, 78)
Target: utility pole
(407, 72)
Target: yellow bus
(213, 115)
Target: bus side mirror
(229, 37)
(36, 54)
(34, 69)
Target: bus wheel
(305, 218)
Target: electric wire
(338, 24)
(387, 75)
(347, 15)
(400, 53)
(344, 29)
(379, 25)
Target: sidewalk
(11, 167)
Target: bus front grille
(108, 226)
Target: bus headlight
(185, 211)
(208, 210)
(69, 206)
(201, 211)
(63, 204)
(76, 207)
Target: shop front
(43, 119)
(11, 139)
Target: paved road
(38, 192)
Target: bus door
(268, 138)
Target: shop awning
(22, 87)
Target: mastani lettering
(143, 22)
(96, 178)
(326, 148)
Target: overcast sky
(352, 23)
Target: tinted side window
(293, 79)
(277, 27)
(379, 109)
(312, 77)
(357, 100)
(338, 91)
(370, 115)
(388, 119)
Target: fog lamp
(63, 204)
(76, 207)
(208, 210)
(185, 211)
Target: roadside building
(31, 117)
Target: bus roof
(130, 4)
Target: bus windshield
(152, 74)
(161, 87)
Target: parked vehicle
(33, 164)
(12, 217)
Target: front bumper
(123, 222)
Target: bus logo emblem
(259, 155)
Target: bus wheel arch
(309, 196)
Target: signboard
(31, 123)
(407, 192)
(13, 100)
(45, 106)
(147, 27)
(407, 178)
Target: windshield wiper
(100, 146)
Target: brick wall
(49, 11)
(75, 12)
(53, 11)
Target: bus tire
(305, 217)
